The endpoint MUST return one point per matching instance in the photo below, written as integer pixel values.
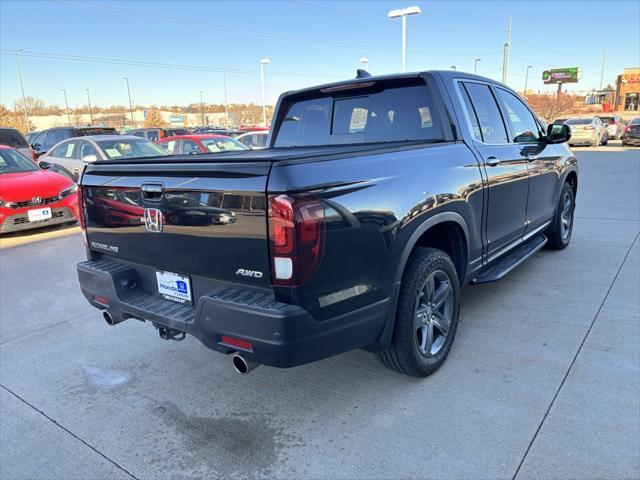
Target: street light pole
(201, 108)
(263, 62)
(90, 111)
(226, 98)
(365, 63)
(130, 104)
(24, 100)
(66, 103)
(404, 13)
(475, 66)
(526, 78)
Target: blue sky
(309, 42)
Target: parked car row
(595, 130)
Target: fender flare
(421, 229)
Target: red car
(204, 143)
(31, 197)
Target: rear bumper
(281, 335)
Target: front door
(542, 158)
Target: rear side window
(391, 115)
(153, 135)
(12, 138)
(56, 136)
(487, 113)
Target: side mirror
(558, 133)
(89, 158)
(44, 165)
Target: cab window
(487, 113)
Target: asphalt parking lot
(542, 382)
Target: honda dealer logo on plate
(153, 220)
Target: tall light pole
(404, 13)
(226, 98)
(201, 109)
(90, 111)
(475, 65)
(505, 55)
(24, 100)
(453, 67)
(130, 104)
(365, 63)
(526, 78)
(66, 103)
(263, 62)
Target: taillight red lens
(82, 219)
(33, 155)
(296, 235)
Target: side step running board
(503, 265)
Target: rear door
(61, 158)
(213, 220)
(505, 168)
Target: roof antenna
(361, 73)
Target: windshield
(391, 115)
(579, 121)
(606, 119)
(12, 162)
(215, 145)
(635, 121)
(129, 148)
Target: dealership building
(628, 90)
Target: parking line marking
(575, 357)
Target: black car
(631, 135)
(44, 140)
(218, 131)
(157, 134)
(377, 200)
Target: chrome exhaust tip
(242, 365)
(108, 318)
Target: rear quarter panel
(373, 205)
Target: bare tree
(553, 106)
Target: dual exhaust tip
(240, 364)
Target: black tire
(606, 140)
(558, 235)
(404, 355)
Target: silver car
(587, 131)
(70, 156)
(615, 125)
(255, 140)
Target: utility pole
(475, 66)
(604, 61)
(226, 99)
(263, 62)
(90, 111)
(505, 58)
(24, 100)
(130, 104)
(201, 109)
(66, 103)
(526, 79)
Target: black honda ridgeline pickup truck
(378, 198)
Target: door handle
(492, 161)
(531, 157)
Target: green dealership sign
(561, 75)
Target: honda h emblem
(36, 200)
(153, 220)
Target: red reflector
(235, 342)
(101, 300)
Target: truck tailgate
(206, 220)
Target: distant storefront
(628, 90)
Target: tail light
(33, 154)
(83, 220)
(627, 128)
(296, 237)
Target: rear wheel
(426, 316)
(559, 233)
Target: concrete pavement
(543, 380)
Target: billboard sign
(561, 75)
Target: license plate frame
(175, 287)
(39, 214)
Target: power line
(140, 63)
(251, 33)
